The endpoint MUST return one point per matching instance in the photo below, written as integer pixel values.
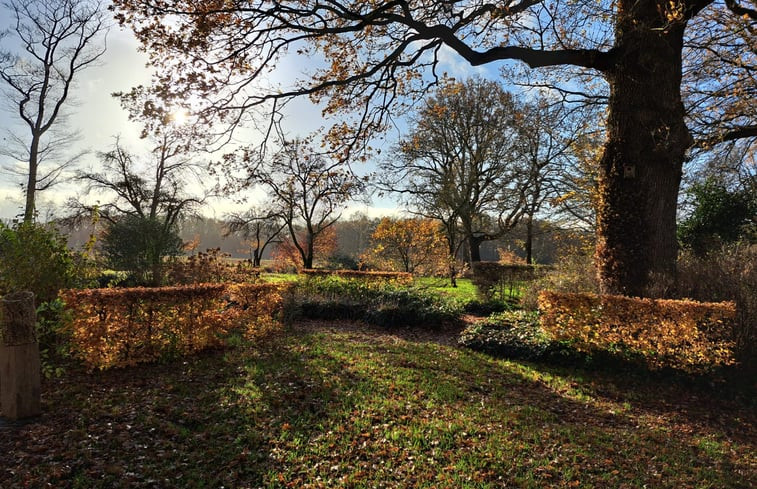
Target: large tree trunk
(307, 258)
(641, 167)
(474, 244)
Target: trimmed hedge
(122, 327)
(686, 335)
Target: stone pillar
(19, 357)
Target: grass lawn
(322, 406)
(278, 277)
(464, 292)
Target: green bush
(518, 335)
(114, 278)
(720, 215)
(139, 245)
(34, 258)
(513, 334)
(53, 336)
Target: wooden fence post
(19, 357)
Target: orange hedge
(401, 277)
(121, 327)
(683, 334)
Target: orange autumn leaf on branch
(408, 245)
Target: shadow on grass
(342, 409)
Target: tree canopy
(463, 157)
(380, 56)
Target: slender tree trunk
(452, 268)
(307, 260)
(641, 167)
(529, 239)
(157, 272)
(31, 183)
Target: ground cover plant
(384, 302)
(516, 335)
(322, 405)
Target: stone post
(19, 357)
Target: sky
(99, 118)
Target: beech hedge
(126, 326)
(682, 334)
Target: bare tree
(548, 133)
(57, 40)
(259, 227)
(154, 188)
(160, 196)
(148, 194)
(308, 191)
(152, 204)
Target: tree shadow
(340, 407)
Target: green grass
(328, 408)
(464, 292)
(279, 277)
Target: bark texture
(647, 141)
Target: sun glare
(179, 116)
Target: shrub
(34, 258)
(518, 335)
(343, 262)
(513, 334)
(52, 330)
(574, 272)
(121, 327)
(139, 245)
(726, 274)
(685, 335)
(114, 278)
(212, 266)
(720, 215)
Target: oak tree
(462, 156)
(379, 55)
